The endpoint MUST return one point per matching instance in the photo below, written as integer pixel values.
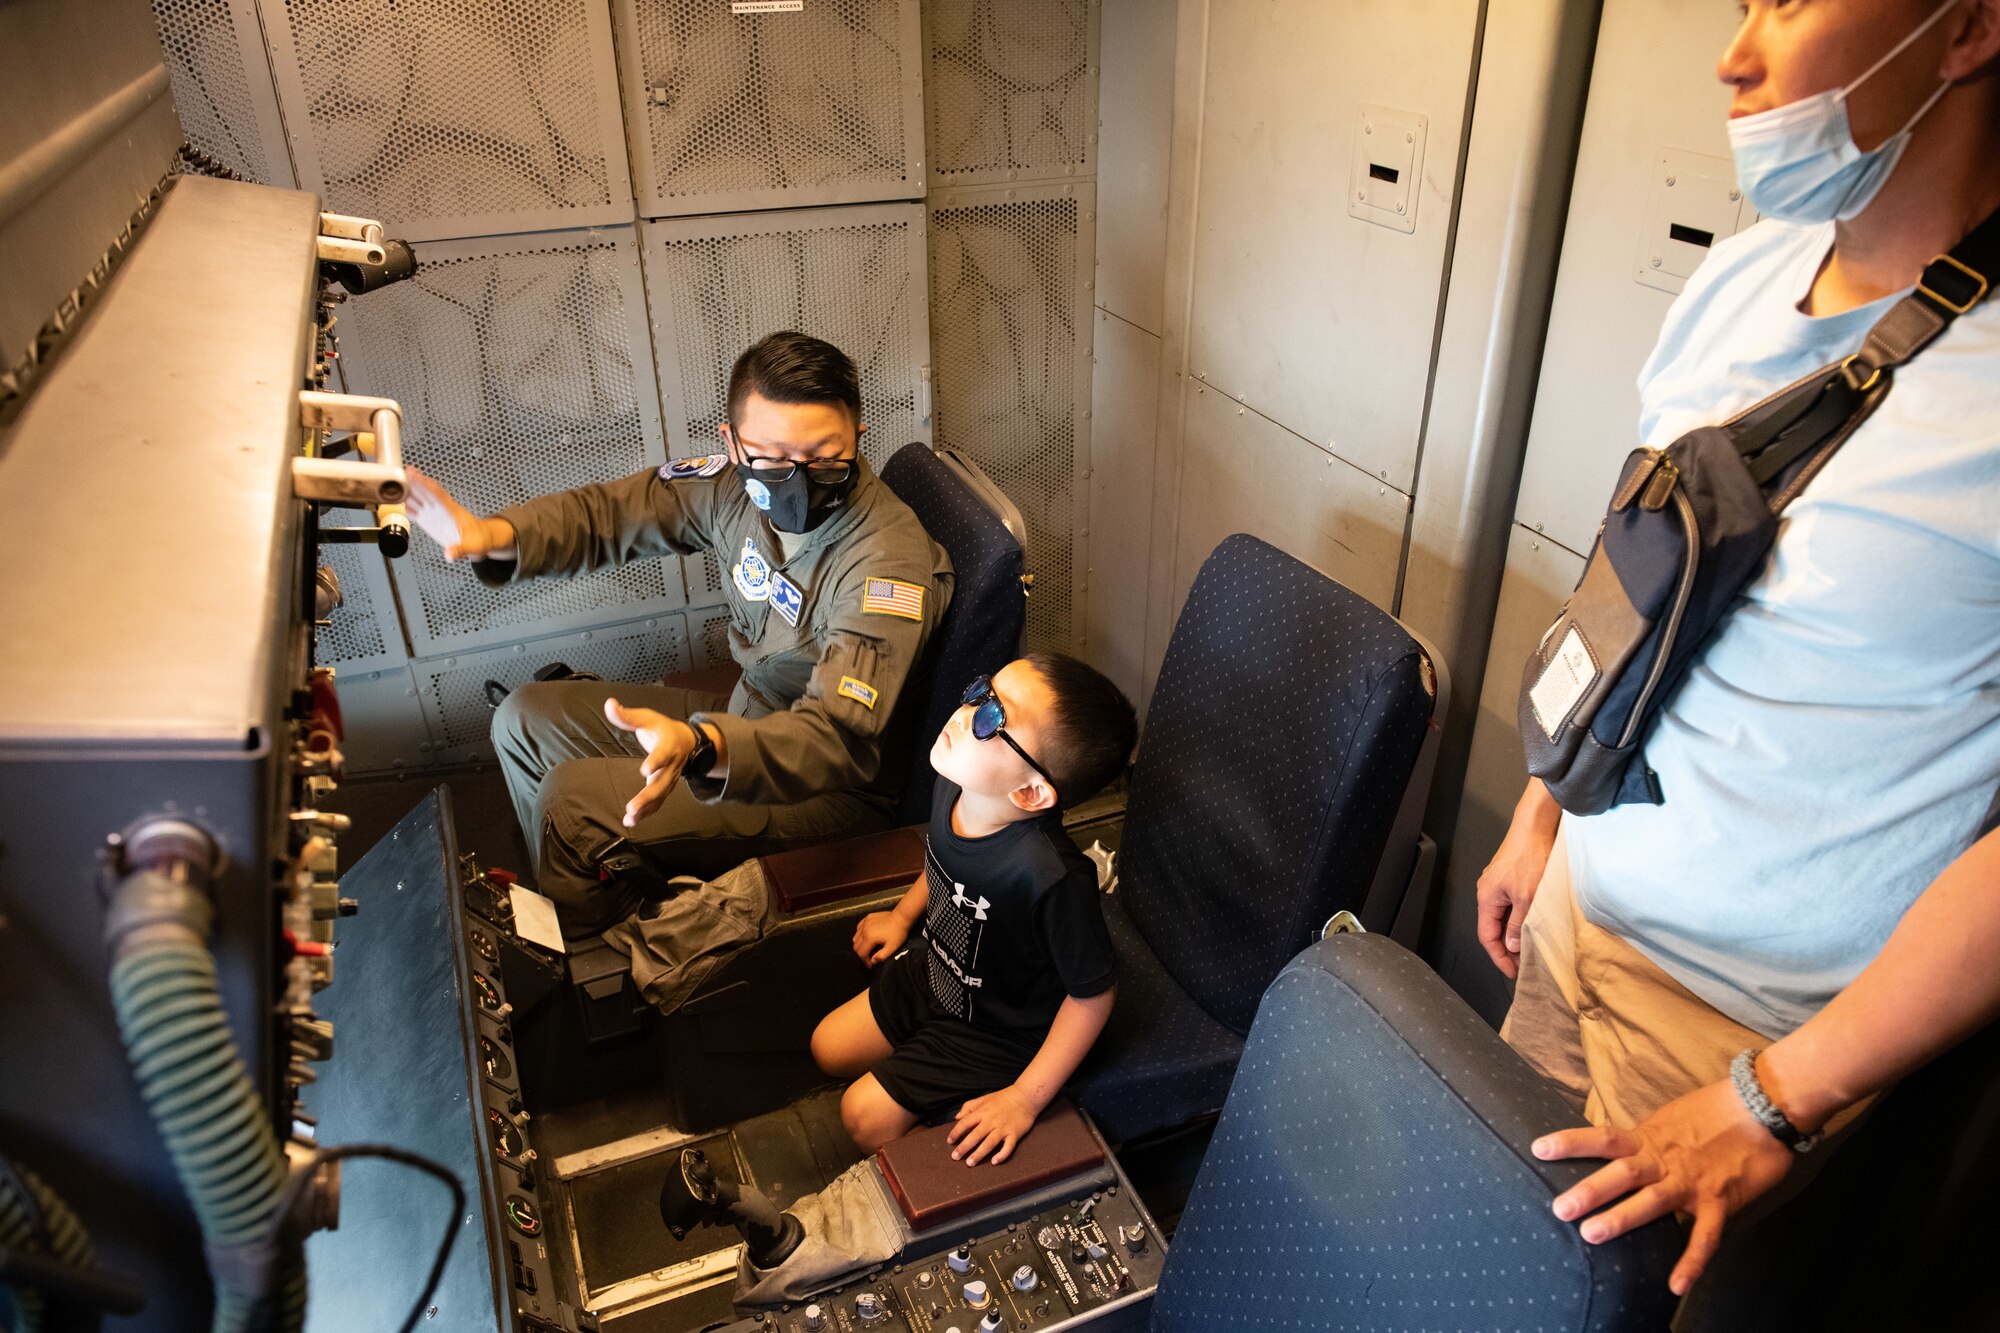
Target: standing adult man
(833, 588)
(1811, 914)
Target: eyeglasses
(989, 719)
(825, 471)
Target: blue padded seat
(1371, 1170)
(981, 629)
(1282, 735)
(1165, 1049)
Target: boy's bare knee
(826, 1047)
(871, 1116)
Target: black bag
(1688, 527)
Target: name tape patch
(865, 695)
(893, 597)
(1565, 680)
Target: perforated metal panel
(452, 689)
(522, 369)
(454, 117)
(731, 111)
(1010, 305)
(853, 276)
(364, 633)
(709, 627)
(1012, 89)
(228, 109)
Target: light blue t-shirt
(1836, 744)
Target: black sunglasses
(989, 719)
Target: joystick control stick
(694, 1196)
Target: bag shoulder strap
(1827, 405)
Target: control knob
(868, 1308)
(977, 1296)
(1134, 1236)
(1025, 1278)
(815, 1318)
(960, 1259)
(992, 1323)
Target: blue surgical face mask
(1798, 162)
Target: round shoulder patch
(686, 469)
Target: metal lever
(352, 483)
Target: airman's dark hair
(793, 367)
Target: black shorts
(940, 1061)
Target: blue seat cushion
(1282, 735)
(1371, 1170)
(1161, 1060)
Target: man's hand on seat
(668, 741)
(879, 935)
(1702, 1154)
(992, 1124)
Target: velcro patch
(893, 597)
(689, 469)
(865, 695)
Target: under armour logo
(959, 899)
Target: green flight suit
(818, 729)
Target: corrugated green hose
(43, 1224)
(194, 1082)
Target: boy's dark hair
(1090, 731)
(793, 367)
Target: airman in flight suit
(833, 591)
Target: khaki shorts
(1615, 1034)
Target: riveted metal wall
(729, 111)
(1012, 89)
(781, 162)
(228, 108)
(520, 365)
(453, 117)
(854, 276)
(1011, 277)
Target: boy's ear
(1034, 796)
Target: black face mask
(798, 503)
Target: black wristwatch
(702, 757)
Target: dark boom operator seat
(1371, 1170)
(983, 532)
(1281, 779)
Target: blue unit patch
(786, 599)
(760, 494)
(752, 573)
(688, 469)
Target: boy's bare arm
(880, 934)
(998, 1121)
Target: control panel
(1071, 1266)
(501, 964)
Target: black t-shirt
(1014, 923)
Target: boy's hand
(879, 935)
(463, 534)
(668, 743)
(997, 1120)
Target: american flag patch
(893, 597)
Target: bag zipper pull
(1661, 487)
(1629, 489)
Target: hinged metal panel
(521, 364)
(853, 276)
(1011, 278)
(731, 111)
(1011, 87)
(1694, 202)
(445, 119)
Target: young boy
(992, 1007)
